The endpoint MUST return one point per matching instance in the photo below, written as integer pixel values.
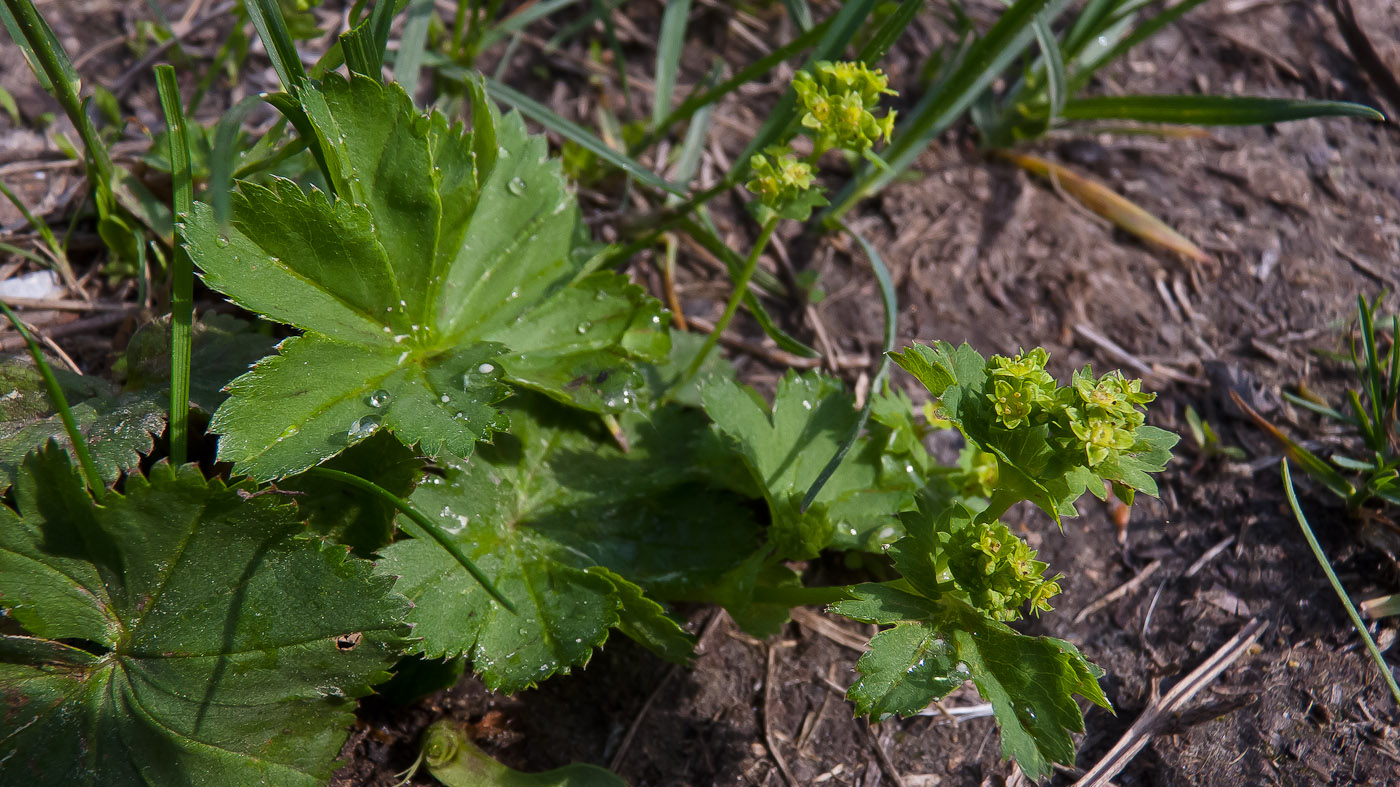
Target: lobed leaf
(937, 644)
(571, 530)
(447, 264)
(179, 633)
(786, 447)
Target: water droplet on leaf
(516, 186)
(379, 398)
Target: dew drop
(364, 427)
(444, 398)
(291, 431)
(583, 327)
(222, 242)
(379, 398)
(486, 368)
(516, 186)
(806, 404)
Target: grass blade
(418, 518)
(1315, 467)
(182, 269)
(58, 257)
(889, 32)
(703, 98)
(1141, 32)
(936, 110)
(60, 403)
(1107, 203)
(1211, 110)
(1337, 585)
(668, 57)
(800, 12)
(569, 130)
(408, 64)
(524, 17)
(890, 302)
(281, 50)
(1056, 82)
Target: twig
(12, 343)
(1119, 592)
(886, 764)
(63, 305)
(1365, 54)
(768, 736)
(1209, 555)
(637, 721)
(1143, 729)
(825, 627)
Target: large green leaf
(785, 448)
(178, 633)
(447, 263)
(571, 529)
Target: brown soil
(1298, 219)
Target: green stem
(60, 403)
(1337, 584)
(741, 286)
(423, 522)
(800, 596)
(181, 268)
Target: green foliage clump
(838, 103)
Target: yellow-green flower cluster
(999, 571)
(838, 103)
(778, 176)
(1104, 413)
(1021, 388)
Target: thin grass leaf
(890, 301)
(889, 32)
(1375, 386)
(266, 16)
(408, 63)
(1140, 33)
(182, 270)
(526, 16)
(750, 73)
(668, 57)
(800, 12)
(845, 24)
(569, 130)
(1211, 110)
(1087, 25)
(1108, 203)
(707, 238)
(429, 528)
(60, 403)
(1314, 465)
(984, 62)
(1056, 81)
(58, 258)
(1337, 584)
(1381, 607)
(1321, 409)
(37, 259)
(605, 9)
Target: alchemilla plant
(475, 445)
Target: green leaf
(1210, 110)
(466, 274)
(786, 447)
(455, 761)
(179, 633)
(937, 644)
(570, 528)
(119, 428)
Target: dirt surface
(1297, 218)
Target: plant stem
(741, 286)
(800, 596)
(423, 522)
(60, 403)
